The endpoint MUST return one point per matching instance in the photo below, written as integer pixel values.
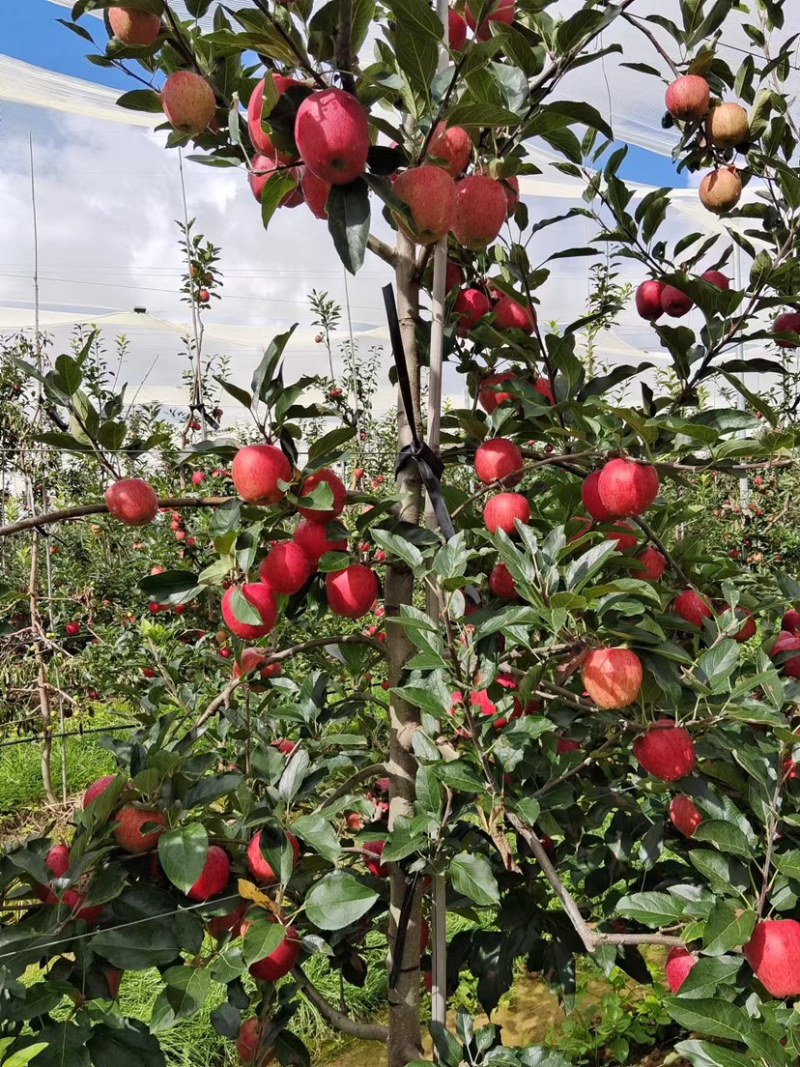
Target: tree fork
(404, 1010)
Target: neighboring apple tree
(580, 718)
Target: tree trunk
(404, 1015)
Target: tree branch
(82, 510)
(645, 526)
(383, 251)
(337, 1019)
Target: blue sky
(32, 33)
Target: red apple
(453, 276)
(480, 211)
(451, 149)
(748, 627)
(457, 31)
(591, 499)
(675, 303)
(501, 11)
(502, 584)
(716, 278)
(312, 537)
(774, 954)
(256, 472)
(315, 193)
(788, 323)
(511, 189)
(286, 568)
(612, 677)
(430, 194)
(352, 591)
(544, 388)
(264, 169)
(720, 190)
(688, 97)
(73, 628)
(626, 488)
(679, 963)
(259, 868)
(259, 596)
(691, 607)
(727, 125)
(666, 751)
(469, 308)
(684, 816)
(248, 1040)
(132, 27)
(503, 509)
(489, 396)
(188, 102)
(132, 502)
(281, 961)
(128, 830)
(498, 460)
(791, 621)
(648, 300)
(654, 564)
(374, 866)
(97, 789)
(511, 315)
(565, 745)
(262, 142)
(625, 536)
(336, 485)
(214, 876)
(331, 132)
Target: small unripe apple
(727, 125)
(134, 28)
(627, 488)
(648, 299)
(612, 677)
(774, 954)
(469, 308)
(684, 816)
(256, 472)
(503, 510)
(132, 502)
(499, 460)
(188, 101)
(331, 132)
(480, 211)
(720, 190)
(679, 963)
(666, 751)
(688, 98)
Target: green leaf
(140, 908)
(182, 854)
(460, 777)
(716, 664)
(187, 989)
(24, 1056)
(727, 927)
(706, 1054)
(713, 1017)
(262, 938)
(652, 909)
(348, 222)
(472, 876)
(708, 974)
(171, 587)
(141, 100)
(726, 837)
(338, 900)
(398, 546)
(317, 832)
(280, 185)
(265, 372)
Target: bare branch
(83, 510)
(337, 1019)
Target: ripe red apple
(489, 396)
(450, 148)
(259, 596)
(259, 868)
(503, 509)
(113, 980)
(625, 536)
(675, 303)
(469, 307)
(97, 789)
(612, 677)
(688, 97)
(511, 315)
(264, 169)
(480, 211)
(57, 860)
(501, 583)
(748, 628)
(315, 193)
(132, 502)
(128, 831)
(648, 300)
(221, 925)
(430, 194)
(565, 745)
(774, 954)
(352, 591)
(787, 642)
(248, 1040)
(253, 661)
(666, 751)
(501, 11)
(280, 962)
(457, 31)
(262, 142)
(188, 101)
(336, 485)
(132, 27)
(544, 388)
(654, 564)
(720, 190)
(286, 568)
(256, 472)
(331, 132)
(691, 607)
(590, 496)
(787, 323)
(511, 189)
(214, 876)
(684, 816)
(791, 621)
(73, 628)
(312, 537)
(727, 125)
(499, 460)
(717, 278)
(453, 276)
(626, 488)
(679, 963)
(374, 866)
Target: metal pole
(744, 484)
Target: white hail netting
(108, 197)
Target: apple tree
(565, 718)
